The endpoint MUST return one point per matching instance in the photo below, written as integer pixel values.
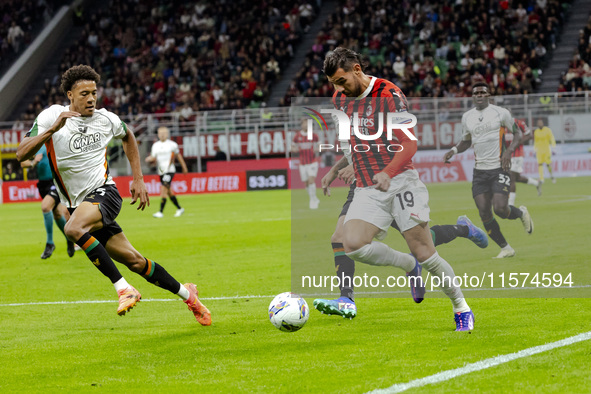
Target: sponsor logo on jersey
(481, 129)
(85, 143)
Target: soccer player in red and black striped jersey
(308, 161)
(517, 162)
(388, 187)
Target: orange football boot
(128, 297)
(200, 311)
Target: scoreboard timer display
(266, 180)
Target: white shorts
(517, 164)
(308, 170)
(406, 201)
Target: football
(288, 312)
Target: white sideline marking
(239, 297)
(484, 364)
(142, 300)
(583, 198)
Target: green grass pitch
(237, 249)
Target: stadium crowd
(578, 76)
(176, 56)
(438, 49)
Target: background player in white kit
(483, 127)
(76, 137)
(163, 153)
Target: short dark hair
(479, 84)
(342, 58)
(77, 73)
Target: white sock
(377, 253)
(437, 266)
(507, 247)
(512, 198)
(312, 191)
(184, 293)
(121, 284)
(532, 181)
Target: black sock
(515, 213)
(447, 233)
(345, 268)
(157, 275)
(162, 204)
(97, 253)
(494, 232)
(175, 202)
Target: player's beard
(357, 91)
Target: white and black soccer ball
(288, 312)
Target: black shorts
(48, 188)
(166, 179)
(495, 181)
(347, 203)
(109, 201)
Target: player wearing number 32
(483, 127)
(76, 137)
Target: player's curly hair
(342, 58)
(77, 73)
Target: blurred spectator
(306, 12)
(219, 154)
(399, 66)
(15, 36)
(10, 173)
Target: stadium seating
(173, 56)
(437, 49)
(20, 22)
(577, 77)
